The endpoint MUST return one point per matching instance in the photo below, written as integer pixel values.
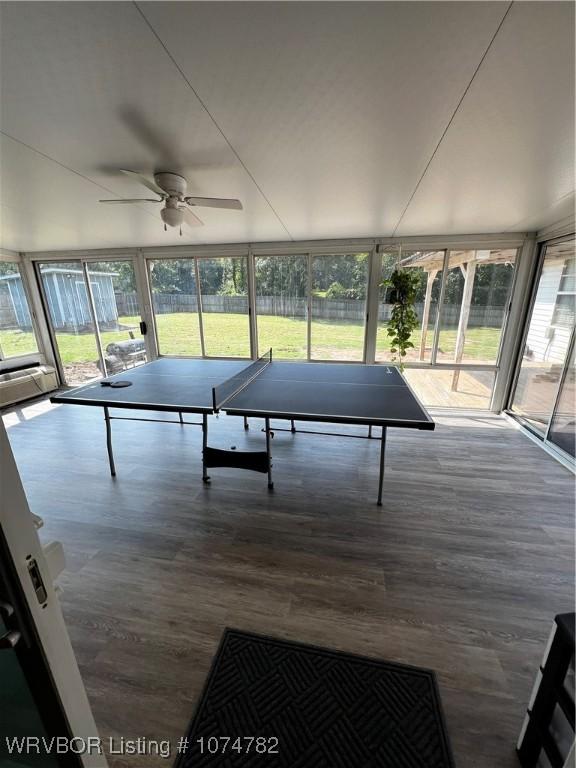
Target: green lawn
(228, 335)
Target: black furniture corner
(547, 735)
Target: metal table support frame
(109, 441)
(205, 475)
(269, 454)
(382, 465)
(269, 430)
(109, 419)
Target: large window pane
(339, 286)
(16, 332)
(563, 426)
(225, 319)
(175, 304)
(69, 311)
(476, 294)
(548, 338)
(281, 305)
(428, 266)
(113, 286)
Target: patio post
(426, 313)
(469, 270)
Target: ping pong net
(224, 392)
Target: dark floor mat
(274, 703)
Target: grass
(227, 335)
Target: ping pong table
(332, 393)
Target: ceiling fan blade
(136, 200)
(214, 202)
(146, 181)
(191, 219)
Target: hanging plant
(403, 285)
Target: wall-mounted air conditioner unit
(26, 383)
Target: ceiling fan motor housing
(172, 183)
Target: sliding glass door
(73, 329)
(562, 431)
(117, 314)
(544, 390)
(94, 316)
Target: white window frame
(373, 246)
(30, 357)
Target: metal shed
(14, 311)
(68, 303)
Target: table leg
(205, 476)
(181, 417)
(292, 426)
(382, 457)
(269, 454)
(370, 431)
(109, 441)
(246, 425)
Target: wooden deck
(461, 571)
(434, 388)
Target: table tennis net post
(224, 392)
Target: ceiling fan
(171, 190)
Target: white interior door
(42, 693)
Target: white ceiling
(327, 120)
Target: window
(201, 306)
(427, 265)
(117, 310)
(312, 307)
(563, 424)
(175, 303)
(73, 331)
(338, 306)
(476, 295)
(548, 339)
(224, 301)
(282, 306)
(16, 332)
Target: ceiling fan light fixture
(173, 217)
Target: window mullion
(92, 310)
(309, 308)
(439, 311)
(199, 303)
(372, 309)
(254, 351)
(144, 294)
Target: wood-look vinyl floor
(461, 570)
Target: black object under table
(270, 702)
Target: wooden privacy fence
(351, 310)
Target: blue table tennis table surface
(327, 392)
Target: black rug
(276, 703)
